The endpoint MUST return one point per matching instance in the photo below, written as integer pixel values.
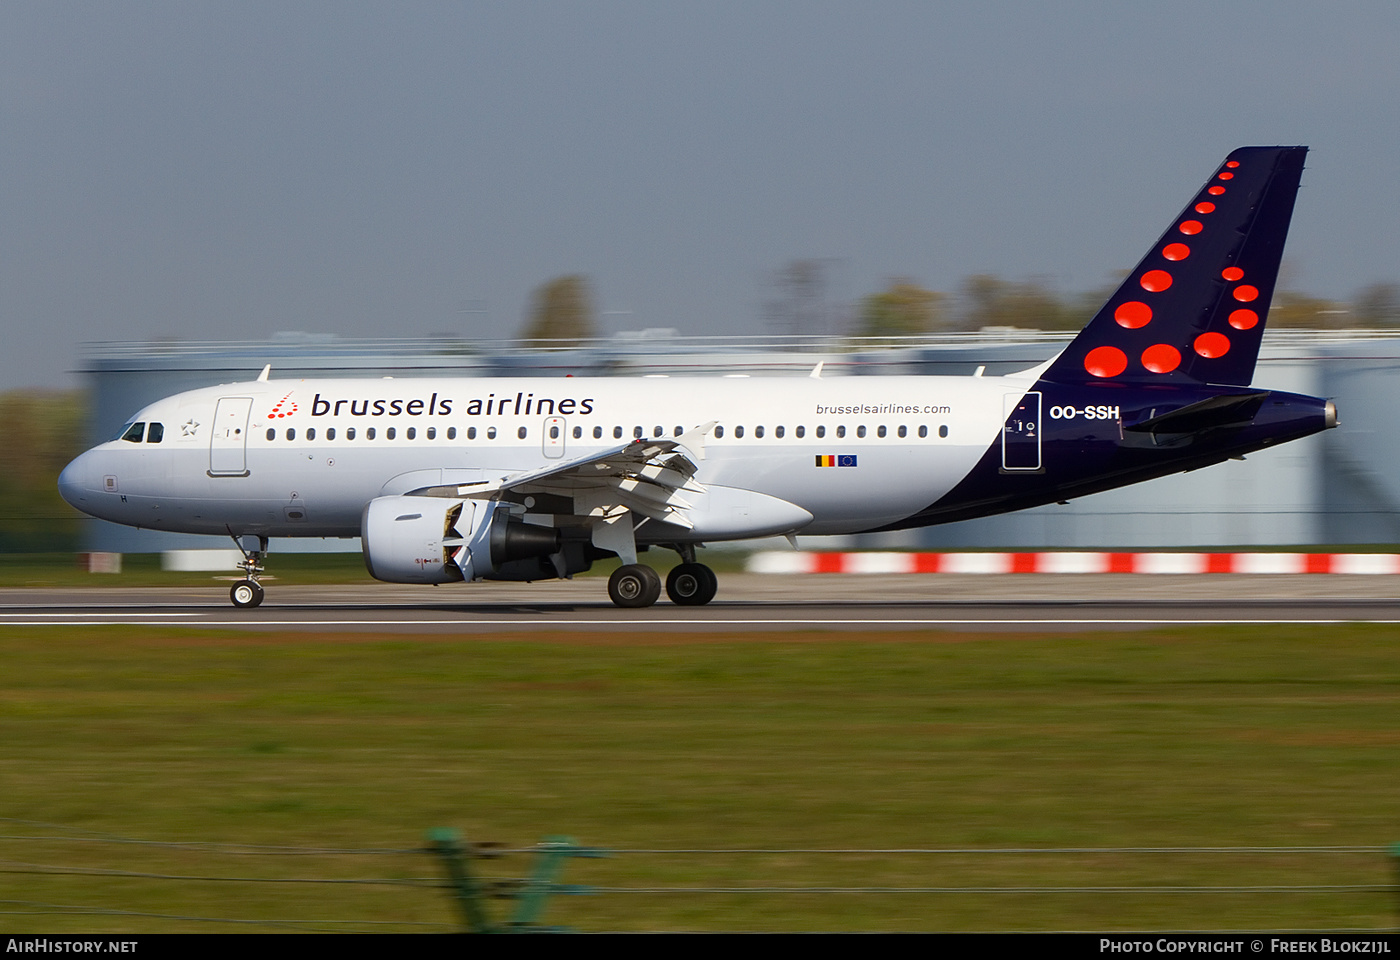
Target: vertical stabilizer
(1193, 311)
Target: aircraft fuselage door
(1020, 433)
(228, 441)
(553, 437)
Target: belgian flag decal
(843, 460)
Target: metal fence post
(446, 843)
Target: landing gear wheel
(634, 585)
(691, 584)
(246, 593)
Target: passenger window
(452, 433)
(349, 433)
(490, 433)
(636, 433)
(943, 430)
(521, 433)
(311, 433)
(432, 433)
(597, 433)
(860, 431)
(134, 432)
(821, 432)
(471, 433)
(617, 433)
(155, 433)
(330, 433)
(880, 431)
(272, 433)
(389, 434)
(903, 431)
(923, 432)
(719, 433)
(291, 433)
(578, 432)
(411, 433)
(841, 431)
(778, 432)
(369, 433)
(554, 433)
(800, 432)
(758, 432)
(678, 432)
(738, 433)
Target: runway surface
(1018, 603)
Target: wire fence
(153, 885)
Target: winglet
(694, 438)
(816, 373)
(262, 377)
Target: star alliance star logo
(189, 427)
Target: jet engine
(409, 539)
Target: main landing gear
(248, 593)
(690, 584)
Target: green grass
(1192, 737)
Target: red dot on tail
(1244, 293)
(1212, 345)
(1190, 227)
(1205, 206)
(1244, 319)
(1176, 251)
(1133, 314)
(1232, 164)
(1232, 273)
(1161, 358)
(1215, 191)
(1227, 176)
(1106, 361)
(1156, 281)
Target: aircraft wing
(646, 476)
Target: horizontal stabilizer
(1225, 411)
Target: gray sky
(227, 171)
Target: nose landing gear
(248, 593)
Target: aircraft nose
(75, 482)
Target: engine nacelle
(409, 539)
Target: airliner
(451, 480)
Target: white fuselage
(304, 457)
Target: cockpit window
(156, 433)
(134, 432)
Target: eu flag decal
(843, 460)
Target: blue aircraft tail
(1193, 310)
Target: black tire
(634, 585)
(691, 584)
(246, 594)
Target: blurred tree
(39, 433)
(1290, 308)
(800, 306)
(1378, 305)
(562, 309)
(990, 301)
(904, 309)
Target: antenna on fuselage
(262, 377)
(816, 373)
